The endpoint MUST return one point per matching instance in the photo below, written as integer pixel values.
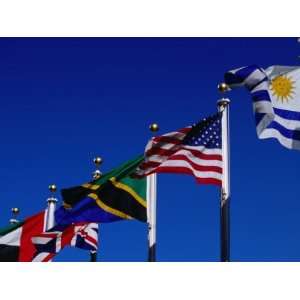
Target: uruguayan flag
(276, 100)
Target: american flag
(194, 150)
(80, 235)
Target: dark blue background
(66, 100)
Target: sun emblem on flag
(283, 88)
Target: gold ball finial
(98, 160)
(223, 87)
(154, 127)
(52, 188)
(15, 210)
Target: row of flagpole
(223, 107)
(51, 207)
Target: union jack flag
(80, 235)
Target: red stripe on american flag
(202, 155)
(183, 170)
(167, 140)
(154, 165)
(185, 130)
(149, 165)
(163, 152)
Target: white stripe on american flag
(204, 150)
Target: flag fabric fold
(275, 94)
(113, 197)
(195, 150)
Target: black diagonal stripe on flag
(73, 195)
(121, 200)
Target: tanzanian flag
(113, 197)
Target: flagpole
(223, 107)
(151, 209)
(50, 218)
(15, 211)
(97, 173)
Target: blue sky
(64, 101)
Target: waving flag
(15, 240)
(194, 150)
(49, 243)
(276, 100)
(113, 197)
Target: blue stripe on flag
(290, 134)
(261, 95)
(239, 76)
(245, 72)
(287, 114)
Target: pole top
(15, 210)
(97, 174)
(223, 87)
(52, 188)
(223, 102)
(154, 127)
(98, 160)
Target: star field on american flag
(206, 133)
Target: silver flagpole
(151, 209)
(97, 173)
(223, 107)
(50, 218)
(15, 211)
